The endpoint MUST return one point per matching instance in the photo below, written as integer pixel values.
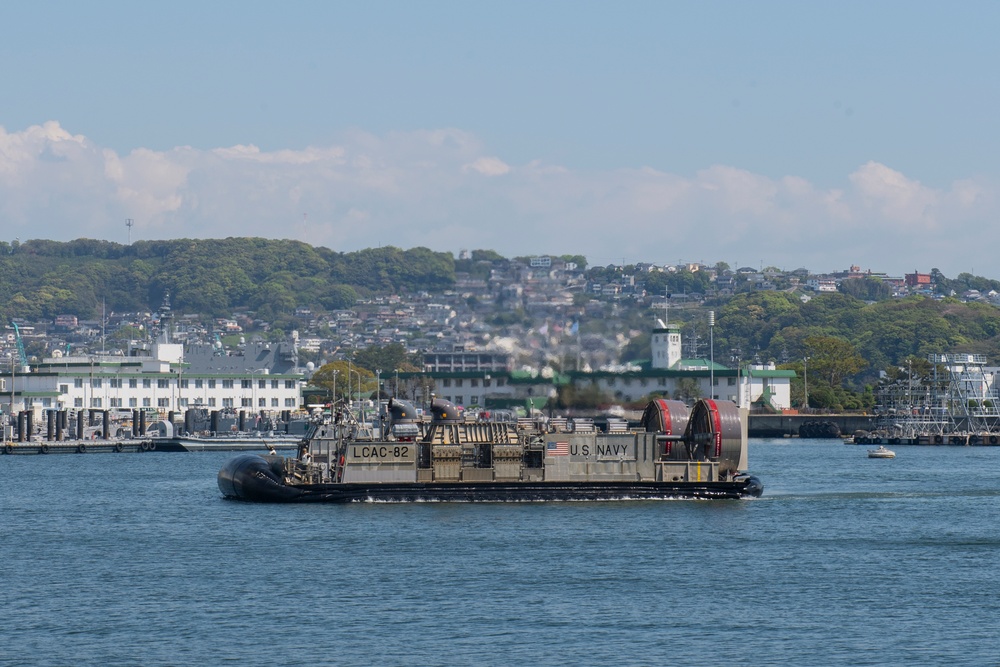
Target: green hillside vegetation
(848, 341)
(42, 279)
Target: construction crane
(22, 357)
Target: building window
(458, 400)
(77, 402)
(289, 402)
(474, 382)
(198, 384)
(163, 402)
(246, 403)
(211, 384)
(262, 384)
(78, 383)
(95, 383)
(115, 383)
(274, 402)
(95, 402)
(115, 402)
(146, 384)
(731, 381)
(446, 382)
(274, 384)
(182, 402)
(146, 403)
(227, 384)
(162, 383)
(133, 402)
(289, 384)
(132, 383)
(211, 402)
(261, 402)
(246, 384)
(183, 384)
(227, 402)
(64, 389)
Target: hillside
(849, 341)
(42, 279)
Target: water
(134, 559)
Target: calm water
(134, 559)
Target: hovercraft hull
(254, 478)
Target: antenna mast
(128, 223)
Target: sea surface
(135, 559)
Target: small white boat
(881, 453)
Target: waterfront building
(163, 377)
(470, 381)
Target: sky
(764, 133)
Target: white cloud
(441, 189)
(896, 198)
(488, 166)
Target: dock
(78, 446)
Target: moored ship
(675, 453)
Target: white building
(749, 386)
(668, 374)
(822, 284)
(163, 377)
(666, 346)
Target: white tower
(666, 345)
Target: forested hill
(41, 279)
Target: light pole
(739, 376)
(711, 353)
(486, 384)
(358, 373)
(11, 384)
(805, 383)
(350, 369)
(378, 386)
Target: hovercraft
(675, 452)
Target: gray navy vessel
(676, 452)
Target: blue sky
(777, 133)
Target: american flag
(557, 449)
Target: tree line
(42, 279)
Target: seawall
(778, 426)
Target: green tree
(341, 380)
(387, 358)
(687, 390)
(832, 359)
